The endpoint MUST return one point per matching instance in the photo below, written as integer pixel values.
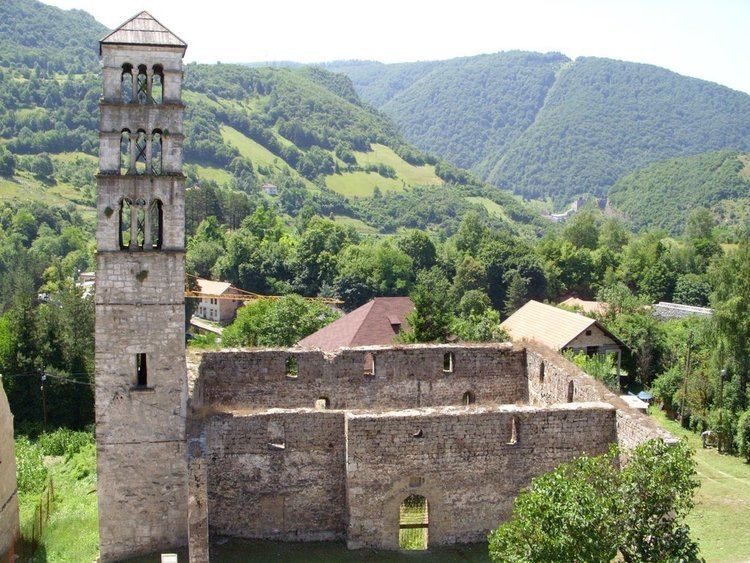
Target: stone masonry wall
(552, 383)
(278, 474)
(8, 490)
(461, 461)
(409, 376)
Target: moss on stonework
(142, 275)
(108, 212)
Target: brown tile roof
(371, 324)
(546, 324)
(143, 29)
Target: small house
(562, 330)
(216, 303)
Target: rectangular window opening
(141, 371)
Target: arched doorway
(413, 523)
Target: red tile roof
(375, 322)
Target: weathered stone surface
(8, 490)
(299, 473)
(140, 313)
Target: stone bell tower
(141, 386)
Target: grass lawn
(413, 175)
(362, 184)
(720, 520)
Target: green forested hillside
(303, 129)
(664, 194)
(462, 109)
(542, 126)
(32, 33)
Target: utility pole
(44, 401)
(687, 375)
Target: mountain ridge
(613, 118)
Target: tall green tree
(431, 318)
(730, 276)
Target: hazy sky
(704, 38)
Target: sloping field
(362, 184)
(414, 175)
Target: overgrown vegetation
(589, 510)
(663, 195)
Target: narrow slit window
(513, 438)
(541, 373)
(448, 361)
(157, 227)
(571, 391)
(141, 371)
(468, 398)
(369, 364)
(291, 366)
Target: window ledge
(142, 389)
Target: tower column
(141, 375)
(134, 84)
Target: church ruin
(291, 444)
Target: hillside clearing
(213, 174)
(362, 184)
(414, 175)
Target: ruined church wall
(409, 376)
(277, 474)
(551, 384)
(8, 490)
(461, 462)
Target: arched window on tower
(156, 152)
(156, 223)
(142, 82)
(125, 151)
(124, 223)
(140, 152)
(126, 83)
(157, 84)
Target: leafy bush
(588, 510)
(82, 463)
(31, 474)
(64, 441)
